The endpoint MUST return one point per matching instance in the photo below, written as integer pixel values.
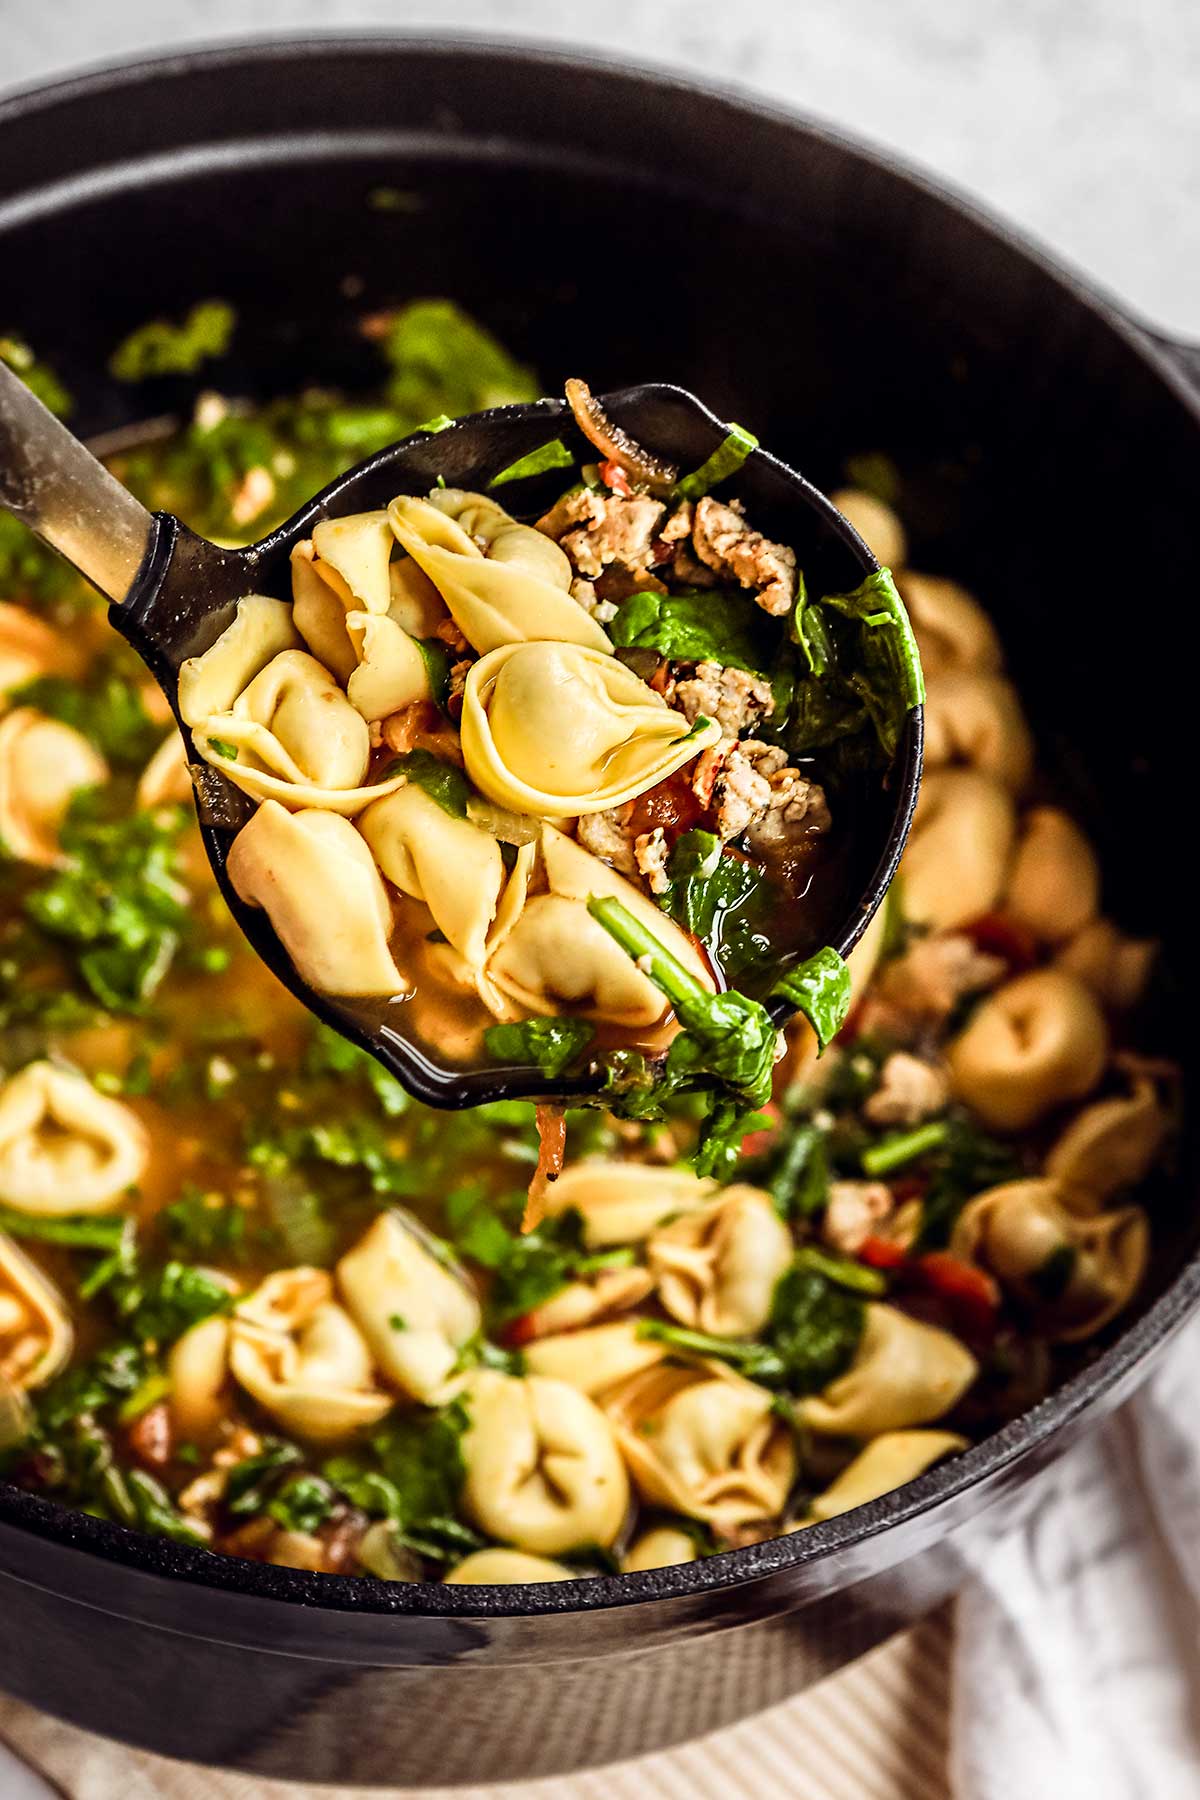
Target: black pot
(637, 227)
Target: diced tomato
(613, 476)
(882, 1253)
(521, 1331)
(971, 1293)
(996, 935)
(756, 1142)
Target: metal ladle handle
(54, 485)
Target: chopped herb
(550, 1045)
(417, 1482)
(442, 781)
(554, 455)
(526, 1268)
(150, 1390)
(205, 1226)
(725, 461)
(223, 748)
(846, 1271)
(964, 1164)
(439, 423)
(706, 626)
(160, 1307)
(820, 989)
(329, 1053)
(121, 903)
(161, 348)
(397, 1322)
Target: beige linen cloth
(874, 1731)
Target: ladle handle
(54, 485)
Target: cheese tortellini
(1033, 1044)
(705, 1443)
(957, 857)
(415, 1313)
(29, 648)
(302, 1357)
(543, 1469)
(717, 1267)
(904, 1373)
(36, 1333)
(1112, 1144)
(64, 1148)
(974, 717)
(887, 1462)
(317, 881)
(508, 1568)
(43, 765)
(511, 595)
(1054, 881)
(556, 953)
(624, 1202)
(595, 1357)
(1075, 1272)
(558, 730)
(456, 868)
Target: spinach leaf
(819, 988)
(725, 461)
(721, 899)
(154, 1510)
(798, 1179)
(554, 455)
(162, 348)
(302, 1503)
(251, 1482)
(445, 362)
(811, 1337)
(526, 1267)
(204, 1226)
(963, 1164)
(414, 1481)
(436, 657)
(550, 1045)
(84, 1233)
(705, 626)
(442, 781)
(887, 674)
(159, 1308)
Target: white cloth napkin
(1076, 1670)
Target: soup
(253, 1297)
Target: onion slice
(615, 445)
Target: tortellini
(543, 1469)
(414, 1312)
(304, 1359)
(556, 953)
(876, 524)
(261, 629)
(166, 779)
(663, 1547)
(904, 1373)
(503, 538)
(587, 1300)
(64, 1148)
(886, 1463)
(623, 1202)
(716, 1268)
(558, 730)
(594, 1358)
(975, 717)
(453, 866)
(292, 736)
(364, 633)
(29, 648)
(506, 597)
(353, 555)
(705, 1443)
(1114, 966)
(1110, 1145)
(956, 861)
(43, 765)
(36, 1333)
(317, 882)
(1054, 882)
(1033, 1044)
(1075, 1272)
(391, 672)
(198, 1368)
(952, 629)
(508, 1568)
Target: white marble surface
(1080, 119)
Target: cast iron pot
(630, 226)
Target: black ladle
(172, 593)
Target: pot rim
(815, 1543)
